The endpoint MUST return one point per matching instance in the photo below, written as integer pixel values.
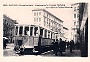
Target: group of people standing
(60, 46)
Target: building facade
(48, 21)
(75, 24)
(8, 27)
(65, 33)
(81, 27)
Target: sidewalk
(75, 53)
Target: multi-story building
(82, 26)
(8, 27)
(75, 23)
(48, 21)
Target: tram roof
(25, 25)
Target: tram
(32, 38)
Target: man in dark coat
(67, 44)
(56, 47)
(62, 46)
(71, 46)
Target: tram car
(32, 38)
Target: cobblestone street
(9, 52)
(75, 53)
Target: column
(43, 33)
(18, 30)
(15, 30)
(23, 30)
(38, 30)
(47, 33)
(33, 30)
(54, 35)
(29, 30)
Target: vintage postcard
(45, 30)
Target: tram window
(51, 35)
(20, 30)
(48, 34)
(31, 31)
(25, 31)
(16, 30)
(45, 33)
(35, 32)
(41, 32)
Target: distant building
(48, 21)
(8, 27)
(65, 33)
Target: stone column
(47, 33)
(50, 35)
(43, 33)
(29, 30)
(23, 30)
(15, 30)
(38, 30)
(18, 30)
(33, 30)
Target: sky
(23, 14)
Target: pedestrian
(71, 46)
(67, 44)
(39, 44)
(62, 46)
(56, 47)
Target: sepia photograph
(45, 30)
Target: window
(16, 30)
(47, 22)
(39, 13)
(74, 8)
(45, 14)
(74, 15)
(48, 34)
(34, 13)
(77, 15)
(39, 19)
(78, 8)
(26, 30)
(36, 31)
(41, 32)
(20, 30)
(45, 34)
(44, 23)
(31, 31)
